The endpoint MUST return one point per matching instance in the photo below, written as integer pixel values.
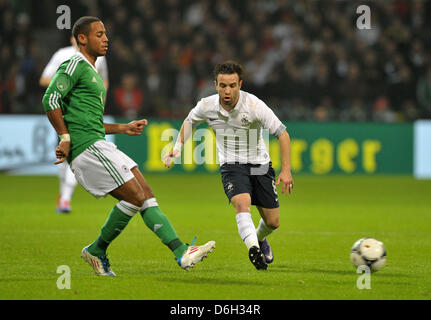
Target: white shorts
(102, 168)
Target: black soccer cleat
(266, 250)
(257, 258)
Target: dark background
(306, 59)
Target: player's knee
(242, 207)
(143, 195)
(138, 200)
(273, 222)
(135, 197)
(274, 225)
(241, 203)
(148, 193)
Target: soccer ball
(369, 252)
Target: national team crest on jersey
(244, 119)
(62, 83)
(229, 187)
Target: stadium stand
(306, 59)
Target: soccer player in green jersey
(74, 103)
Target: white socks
(263, 230)
(151, 202)
(246, 229)
(67, 182)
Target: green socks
(118, 219)
(159, 223)
(153, 217)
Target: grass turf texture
(319, 224)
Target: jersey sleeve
(197, 114)
(269, 120)
(63, 81)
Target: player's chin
(103, 51)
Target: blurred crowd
(306, 59)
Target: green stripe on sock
(174, 244)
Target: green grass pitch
(319, 223)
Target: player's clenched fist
(62, 151)
(134, 128)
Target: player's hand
(62, 151)
(285, 177)
(134, 128)
(167, 159)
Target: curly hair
(228, 67)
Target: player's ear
(82, 39)
(215, 83)
(240, 84)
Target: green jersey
(78, 90)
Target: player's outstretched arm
(133, 128)
(285, 176)
(183, 136)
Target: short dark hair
(228, 67)
(83, 26)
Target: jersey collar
(234, 111)
(86, 60)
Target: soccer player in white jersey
(66, 177)
(237, 118)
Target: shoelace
(192, 243)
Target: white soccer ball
(369, 252)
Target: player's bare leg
(247, 230)
(131, 192)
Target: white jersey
(63, 54)
(239, 134)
